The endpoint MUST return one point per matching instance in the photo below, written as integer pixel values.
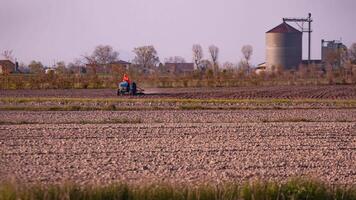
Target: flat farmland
(276, 92)
(192, 146)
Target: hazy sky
(53, 30)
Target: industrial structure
(300, 23)
(333, 52)
(284, 47)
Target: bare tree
(90, 63)
(229, 66)
(247, 51)
(205, 64)
(146, 57)
(8, 55)
(104, 55)
(61, 67)
(23, 68)
(77, 66)
(175, 59)
(214, 55)
(197, 55)
(36, 67)
(352, 53)
(243, 67)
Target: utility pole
(309, 38)
(300, 22)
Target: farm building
(283, 47)
(260, 68)
(7, 67)
(50, 71)
(179, 68)
(108, 68)
(332, 52)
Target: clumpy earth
(280, 92)
(178, 146)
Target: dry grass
(225, 78)
(111, 121)
(116, 104)
(294, 189)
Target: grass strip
(78, 108)
(112, 121)
(64, 104)
(294, 189)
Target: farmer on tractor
(127, 87)
(126, 79)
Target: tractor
(126, 88)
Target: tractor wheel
(133, 89)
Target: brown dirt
(286, 92)
(223, 146)
(177, 116)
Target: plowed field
(278, 92)
(178, 146)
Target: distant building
(179, 68)
(121, 63)
(78, 69)
(7, 67)
(108, 68)
(283, 47)
(50, 71)
(332, 52)
(261, 68)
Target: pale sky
(54, 30)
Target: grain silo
(283, 47)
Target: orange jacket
(126, 78)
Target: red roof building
(7, 67)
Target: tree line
(146, 57)
(146, 70)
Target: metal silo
(284, 47)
